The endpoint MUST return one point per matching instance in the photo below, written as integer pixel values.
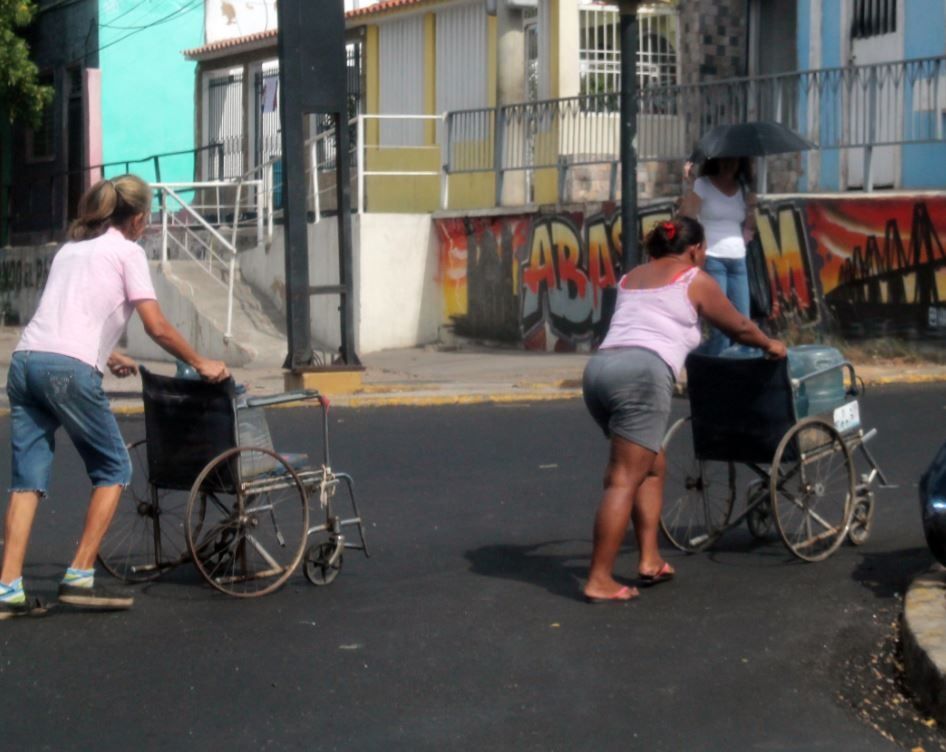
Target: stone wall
(712, 40)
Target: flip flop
(664, 574)
(624, 595)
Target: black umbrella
(749, 140)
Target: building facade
(123, 102)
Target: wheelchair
(208, 488)
(804, 480)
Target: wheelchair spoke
(698, 495)
(247, 540)
(811, 495)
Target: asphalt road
(464, 630)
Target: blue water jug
(185, 371)
(823, 393)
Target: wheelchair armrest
(298, 395)
(852, 389)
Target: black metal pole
(628, 135)
(343, 198)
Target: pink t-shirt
(660, 319)
(89, 298)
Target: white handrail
(170, 190)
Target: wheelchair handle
(851, 390)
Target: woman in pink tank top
(628, 385)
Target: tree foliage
(20, 90)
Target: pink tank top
(660, 319)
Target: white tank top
(722, 217)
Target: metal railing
(866, 106)
(187, 233)
(48, 203)
(321, 155)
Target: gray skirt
(628, 390)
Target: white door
(875, 111)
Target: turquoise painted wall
(147, 84)
(924, 32)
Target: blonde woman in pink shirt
(97, 281)
(628, 385)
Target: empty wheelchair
(208, 488)
(804, 482)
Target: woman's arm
(714, 306)
(690, 202)
(163, 332)
(121, 365)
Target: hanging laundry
(270, 93)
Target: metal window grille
(268, 139)
(600, 48)
(226, 122)
(872, 18)
(268, 129)
(530, 27)
(354, 54)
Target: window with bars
(872, 18)
(600, 48)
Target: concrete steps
(196, 304)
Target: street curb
(411, 395)
(553, 394)
(924, 641)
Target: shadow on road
(888, 573)
(562, 572)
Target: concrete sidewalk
(434, 375)
(412, 376)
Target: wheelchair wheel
(247, 539)
(862, 518)
(698, 495)
(812, 488)
(322, 564)
(146, 536)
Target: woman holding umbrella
(720, 199)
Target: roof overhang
(264, 40)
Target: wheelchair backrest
(741, 408)
(187, 423)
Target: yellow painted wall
(430, 76)
(472, 190)
(402, 193)
(491, 61)
(372, 83)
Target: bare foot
(654, 569)
(613, 591)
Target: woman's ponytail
(110, 203)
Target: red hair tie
(670, 230)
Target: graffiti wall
(858, 266)
(545, 280)
(881, 264)
(23, 273)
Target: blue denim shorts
(46, 391)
